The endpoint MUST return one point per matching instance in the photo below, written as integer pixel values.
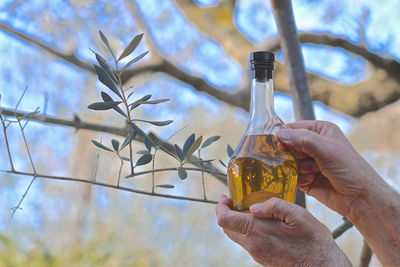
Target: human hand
(279, 233)
(329, 167)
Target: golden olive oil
(258, 170)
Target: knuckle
(274, 203)
(222, 220)
(247, 227)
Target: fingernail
(221, 197)
(255, 207)
(284, 134)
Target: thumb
(306, 141)
(276, 208)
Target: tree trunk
(290, 45)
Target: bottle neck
(262, 111)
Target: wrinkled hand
(329, 167)
(279, 233)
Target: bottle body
(258, 169)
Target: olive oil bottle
(258, 169)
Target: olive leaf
(165, 186)
(194, 147)
(130, 94)
(145, 98)
(147, 144)
(166, 150)
(104, 105)
(141, 133)
(107, 98)
(125, 158)
(106, 80)
(182, 173)
(105, 66)
(143, 152)
(156, 123)
(135, 60)
(222, 163)
(99, 145)
(210, 140)
(105, 41)
(144, 159)
(229, 150)
(127, 139)
(115, 144)
(158, 101)
(201, 161)
(179, 153)
(188, 143)
(131, 46)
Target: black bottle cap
(262, 60)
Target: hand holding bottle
(334, 173)
(329, 168)
(279, 233)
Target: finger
(296, 154)
(307, 166)
(306, 141)
(320, 188)
(233, 220)
(276, 208)
(312, 125)
(305, 180)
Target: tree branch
(31, 40)
(79, 124)
(390, 65)
(366, 255)
(355, 100)
(303, 106)
(54, 177)
(342, 228)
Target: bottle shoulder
(262, 148)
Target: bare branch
(79, 124)
(54, 177)
(31, 40)
(390, 65)
(6, 139)
(322, 90)
(366, 255)
(342, 228)
(175, 169)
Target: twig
(153, 163)
(34, 174)
(175, 169)
(44, 176)
(18, 207)
(120, 169)
(202, 177)
(77, 123)
(366, 255)
(27, 147)
(128, 113)
(346, 225)
(20, 99)
(96, 167)
(7, 143)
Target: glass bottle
(258, 169)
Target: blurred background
(199, 58)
